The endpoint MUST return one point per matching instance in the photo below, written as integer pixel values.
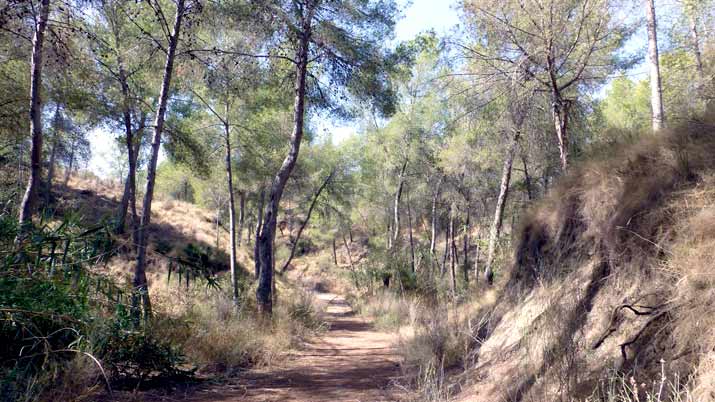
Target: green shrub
(133, 355)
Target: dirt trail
(352, 362)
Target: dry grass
(214, 334)
(219, 337)
(613, 271)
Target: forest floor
(350, 362)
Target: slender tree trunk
(307, 218)
(231, 208)
(412, 241)
(452, 253)
(141, 290)
(53, 154)
(264, 290)
(70, 165)
(435, 198)
(129, 183)
(446, 252)
(249, 234)
(465, 241)
(477, 256)
(350, 256)
(527, 179)
(398, 196)
(27, 206)
(656, 96)
(259, 226)
(241, 216)
(695, 36)
(335, 253)
(138, 135)
(499, 210)
(560, 109)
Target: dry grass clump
(617, 263)
(217, 336)
(620, 388)
(388, 310)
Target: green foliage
(133, 354)
(627, 105)
(54, 305)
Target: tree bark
(53, 154)
(560, 109)
(259, 226)
(435, 198)
(307, 218)
(412, 241)
(335, 253)
(268, 232)
(656, 90)
(241, 216)
(130, 181)
(499, 210)
(695, 35)
(476, 257)
(27, 206)
(465, 241)
(527, 179)
(398, 196)
(452, 253)
(231, 208)
(70, 165)
(446, 252)
(139, 282)
(350, 256)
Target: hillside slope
(612, 287)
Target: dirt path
(352, 362)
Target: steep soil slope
(612, 278)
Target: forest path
(351, 362)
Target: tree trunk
(137, 136)
(241, 216)
(435, 198)
(527, 179)
(129, 183)
(398, 195)
(307, 218)
(231, 208)
(141, 291)
(560, 109)
(259, 226)
(656, 90)
(695, 35)
(446, 252)
(70, 166)
(27, 207)
(350, 261)
(53, 154)
(476, 257)
(335, 253)
(350, 256)
(465, 241)
(268, 232)
(499, 211)
(452, 253)
(412, 241)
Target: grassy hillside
(611, 294)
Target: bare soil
(351, 362)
